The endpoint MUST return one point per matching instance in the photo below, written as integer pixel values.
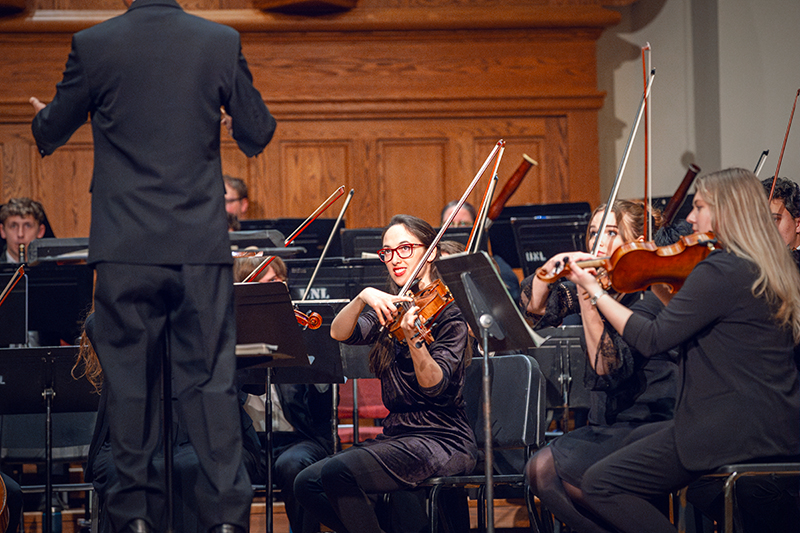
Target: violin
(431, 301)
(312, 320)
(635, 266)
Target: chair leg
(94, 512)
(433, 502)
(730, 485)
(538, 521)
(681, 522)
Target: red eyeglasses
(404, 251)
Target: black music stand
(478, 289)
(326, 362)
(563, 364)
(14, 312)
(30, 380)
(484, 301)
(267, 336)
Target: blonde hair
(742, 222)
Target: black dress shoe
(138, 525)
(226, 528)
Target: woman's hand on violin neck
(582, 277)
(383, 303)
(555, 264)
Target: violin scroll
(311, 320)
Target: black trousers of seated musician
(140, 309)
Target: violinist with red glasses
(427, 432)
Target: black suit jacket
(739, 393)
(153, 81)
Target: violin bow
(615, 189)
(648, 165)
(296, 233)
(500, 144)
(479, 225)
(761, 160)
(12, 283)
(328, 244)
(785, 138)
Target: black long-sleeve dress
(636, 391)
(427, 432)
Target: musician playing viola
(627, 391)
(427, 432)
(735, 322)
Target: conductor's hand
(37, 104)
(227, 121)
(382, 303)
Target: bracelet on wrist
(599, 294)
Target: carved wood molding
(13, 7)
(305, 7)
(21, 112)
(398, 19)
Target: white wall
(727, 72)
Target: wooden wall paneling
(556, 185)
(580, 179)
(312, 171)
(416, 65)
(15, 163)
(385, 80)
(62, 182)
(412, 175)
(32, 65)
(262, 182)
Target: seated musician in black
(301, 416)
(427, 432)
(102, 473)
(765, 503)
(13, 503)
(626, 390)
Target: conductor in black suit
(153, 81)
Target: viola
(431, 301)
(312, 320)
(635, 266)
